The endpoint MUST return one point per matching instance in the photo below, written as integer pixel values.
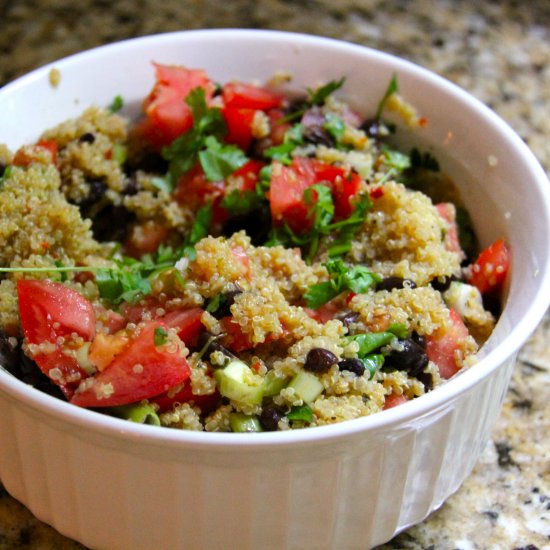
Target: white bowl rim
(235, 442)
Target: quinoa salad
(238, 259)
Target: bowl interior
(501, 183)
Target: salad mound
(238, 259)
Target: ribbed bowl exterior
(348, 493)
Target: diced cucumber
(240, 422)
(307, 386)
(273, 384)
(236, 381)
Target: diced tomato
(443, 346)
(194, 190)
(489, 271)
(43, 152)
(278, 126)
(184, 394)
(246, 96)
(324, 313)
(168, 115)
(239, 126)
(345, 188)
(188, 323)
(288, 184)
(142, 370)
(286, 194)
(145, 238)
(234, 338)
(50, 311)
(393, 400)
(447, 211)
(249, 174)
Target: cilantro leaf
(208, 122)
(319, 95)
(302, 413)
(393, 88)
(357, 278)
(160, 336)
(239, 202)
(335, 126)
(5, 175)
(117, 104)
(219, 161)
(283, 153)
(201, 225)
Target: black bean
(427, 379)
(2, 169)
(9, 354)
(389, 283)
(320, 360)
(131, 188)
(270, 416)
(207, 339)
(348, 318)
(352, 365)
(411, 358)
(491, 302)
(225, 301)
(88, 137)
(371, 127)
(441, 284)
(420, 340)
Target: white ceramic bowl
(113, 484)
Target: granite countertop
(498, 51)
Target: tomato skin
(145, 238)
(168, 115)
(185, 394)
(194, 189)
(234, 338)
(239, 126)
(249, 174)
(489, 271)
(43, 152)
(286, 194)
(142, 370)
(42, 303)
(442, 345)
(50, 310)
(188, 323)
(393, 400)
(246, 96)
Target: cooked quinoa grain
(281, 271)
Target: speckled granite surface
(500, 52)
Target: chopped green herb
(335, 127)
(319, 95)
(238, 202)
(208, 122)
(396, 160)
(160, 337)
(392, 88)
(316, 97)
(357, 279)
(7, 173)
(301, 413)
(201, 225)
(215, 303)
(219, 161)
(283, 153)
(117, 104)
